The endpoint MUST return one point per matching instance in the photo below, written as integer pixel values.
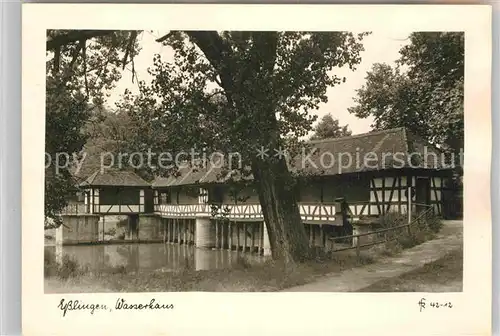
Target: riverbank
(338, 272)
(243, 277)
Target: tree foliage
(423, 92)
(236, 92)
(329, 127)
(79, 74)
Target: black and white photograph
(256, 160)
(253, 161)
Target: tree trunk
(287, 235)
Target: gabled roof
(114, 177)
(395, 148)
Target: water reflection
(150, 257)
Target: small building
(116, 192)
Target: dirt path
(450, 238)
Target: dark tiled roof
(374, 151)
(381, 150)
(113, 177)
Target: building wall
(366, 194)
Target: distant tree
(423, 92)
(328, 127)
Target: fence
(75, 209)
(387, 234)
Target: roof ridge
(355, 136)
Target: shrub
(50, 265)
(68, 268)
(242, 261)
(111, 232)
(434, 223)
(391, 248)
(391, 219)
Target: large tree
(423, 92)
(242, 92)
(329, 127)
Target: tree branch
(75, 36)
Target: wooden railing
(310, 212)
(388, 234)
(74, 209)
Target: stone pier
(150, 228)
(78, 228)
(204, 233)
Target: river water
(150, 257)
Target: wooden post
(310, 235)
(163, 221)
(230, 234)
(171, 230)
(176, 231)
(179, 231)
(252, 241)
(409, 209)
(238, 236)
(244, 237)
(358, 247)
(186, 228)
(259, 237)
(322, 236)
(193, 232)
(222, 234)
(216, 233)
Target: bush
(68, 267)
(392, 248)
(392, 219)
(421, 230)
(110, 232)
(242, 262)
(50, 265)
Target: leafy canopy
(424, 92)
(252, 89)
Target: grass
(442, 275)
(243, 277)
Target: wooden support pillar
(222, 240)
(230, 236)
(322, 236)
(171, 230)
(259, 237)
(216, 233)
(103, 226)
(185, 227)
(179, 231)
(238, 236)
(310, 235)
(252, 249)
(176, 231)
(244, 237)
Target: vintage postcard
(242, 169)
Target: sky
(380, 47)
